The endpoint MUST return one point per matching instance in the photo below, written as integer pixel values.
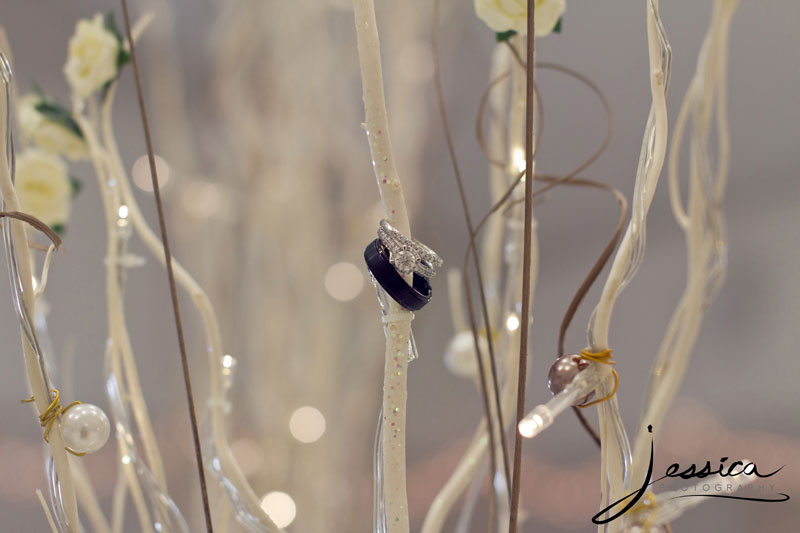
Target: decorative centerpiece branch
(19, 257)
(398, 328)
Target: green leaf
(55, 112)
(106, 86)
(111, 26)
(77, 185)
(557, 27)
(123, 56)
(59, 228)
(504, 35)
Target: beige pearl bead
(563, 371)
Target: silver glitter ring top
(408, 255)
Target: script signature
(737, 468)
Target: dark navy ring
(411, 297)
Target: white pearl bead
(459, 356)
(85, 427)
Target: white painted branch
(36, 381)
(704, 241)
(397, 331)
(228, 463)
(615, 449)
(120, 345)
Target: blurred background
(271, 198)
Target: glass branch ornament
(124, 218)
(704, 107)
(143, 473)
(243, 200)
(63, 499)
(615, 449)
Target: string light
(307, 424)
(280, 507)
(248, 454)
(228, 362)
(141, 173)
(202, 199)
(518, 158)
(344, 281)
(512, 322)
(529, 427)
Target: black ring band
(413, 298)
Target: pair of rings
(393, 255)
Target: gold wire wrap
(603, 357)
(50, 416)
(649, 505)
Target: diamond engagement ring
(408, 255)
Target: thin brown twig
(601, 261)
(484, 307)
(591, 277)
(553, 182)
(564, 179)
(526, 270)
(35, 223)
(593, 273)
(580, 168)
(170, 275)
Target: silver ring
(408, 255)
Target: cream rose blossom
(48, 134)
(504, 15)
(43, 186)
(91, 56)
(56, 138)
(28, 117)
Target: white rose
(43, 186)
(504, 15)
(28, 117)
(56, 138)
(48, 134)
(91, 56)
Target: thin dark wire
(198, 452)
(601, 261)
(526, 271)
(471, 230)
(580, 168)
(552, 182)
(590, 278)
(35, 223)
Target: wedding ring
(414, 296)
(408, 255)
